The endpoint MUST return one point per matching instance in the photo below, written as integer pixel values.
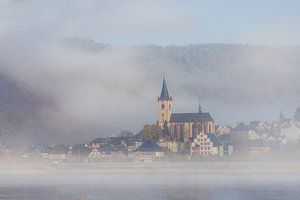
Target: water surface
(155, 181)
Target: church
(182, 127)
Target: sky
(110, 90)
(164, 22)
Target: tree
(125, 133)
(297, 115)
(151, 131)
(165, 130)
(281, 117)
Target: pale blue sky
(79, 81)
(269, 22)
(118, 22)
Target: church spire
(199, 106)
(164, 94)
(164, 106)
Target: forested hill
(218, 72)
(218, 56)
(226, 72)
(24, 114)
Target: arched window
(181, 136)
(194, 130)
(175, 131)
(162, 106)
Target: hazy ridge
(218, 72)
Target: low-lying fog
(245, 180)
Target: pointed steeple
(199, 106)
(281, 116)
(164, 94)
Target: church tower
(164, 105)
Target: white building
(291, 131)
(201, 145)
(206, 144)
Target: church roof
(190, 117)
(164, 94)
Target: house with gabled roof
(149, 150)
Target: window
(162, 106)
(209, 128)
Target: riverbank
(155, 166)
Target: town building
(171, 146)
(78, 153)
(291, 131)
(259, 148)
(206, 145)
(240, 138)
(218, 148)
(133, 143)
(183, 126)
(201, 145)
(108, 153)
(223, 130)
(58, 153)
(149, 151)
(226, 140)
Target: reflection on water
(159, 192)
(151, 184)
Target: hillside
(23, 114)
(230, 74)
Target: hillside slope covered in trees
(231, 74)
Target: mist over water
(72, 72)
(240, 180)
